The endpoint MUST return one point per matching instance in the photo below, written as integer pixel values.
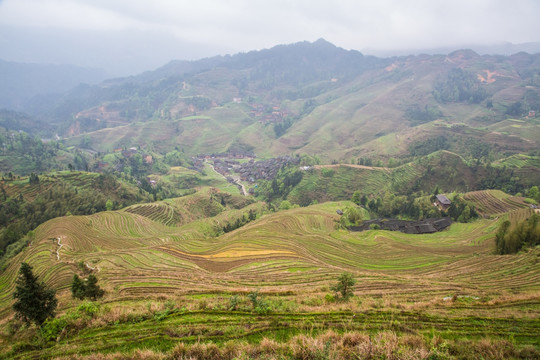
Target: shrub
(285, 205)
(88, 308)
(92, 289)
(327, 172)
(259, 305)
(344, 286)
(51, 328)
(329, 298)
(233, 302)
(510, 239)
(77, 287)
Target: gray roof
(443, 200)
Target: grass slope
(292, 257)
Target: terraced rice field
(79, 179)
(339, 183)
(29, 192)
(292, 257)
(520, 161)
(404, 175)
(298, 250)
(495, 202)
(161, 213)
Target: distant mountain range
(22, 82)
(310, 98)
(493, 49)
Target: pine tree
(34, 301)
(92, 289)
(77, 287)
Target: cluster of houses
(225, 166)
(223, 162)
(127, 153)
(252, 170)
(265, 169)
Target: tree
(34, 302)
(285, 205)
(86, 289)
(92, 289)
(77, 287)
(109, 205)
(351, 216)
(344, 286)
(356, 197)
(534, 193)
(511, 239)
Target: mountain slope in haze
(22, 82)
(16, 121)
(186, 87)
(312, 98)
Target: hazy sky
(129, 36)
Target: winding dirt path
(59, 247)
(236, 180)
(354, 166)
(91, 268)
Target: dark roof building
(443, 200)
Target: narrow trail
(59, 247)
(236, 180)
(92, 268)
(354, 166)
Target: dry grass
(136, 355)
(330, 345)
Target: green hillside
(162, 280)
(375, 108)
(443, 169)
(206, 252)
(27, 202)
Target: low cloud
(212, 27)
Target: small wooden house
(443, 202)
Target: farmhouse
(443, 202)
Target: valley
(214, 201)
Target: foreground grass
(204, 327)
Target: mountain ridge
(304, 98)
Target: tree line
(412, 206)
